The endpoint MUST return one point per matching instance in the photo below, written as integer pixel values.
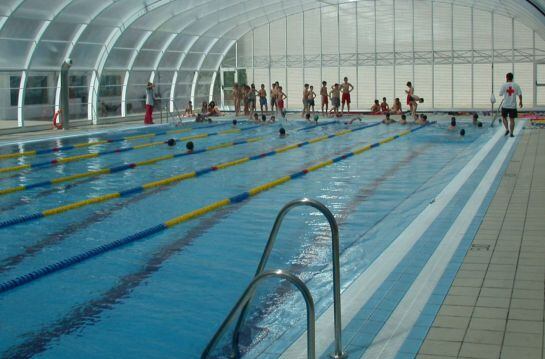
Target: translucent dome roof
(159, 34)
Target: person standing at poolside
(262, 93)
(335, 94)
(325, 97)
(412, 99)
(273, 96)
(280, 97)
(346, 88)
(510, 90)
(150, 102)
(236, 98)
(305, 100)
(311, 99)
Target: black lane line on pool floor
(275, 299)
(59, 236)
(377, 222)
(89, 313)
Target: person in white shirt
(510, 90)
(150, 102)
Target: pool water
(166, 295)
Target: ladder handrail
(338, 354)
(248, 295)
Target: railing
(247, 296)
(338, 354)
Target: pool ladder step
(243, 303)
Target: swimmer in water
(388, 120)
(282, 132)
(475, 119)
(421, 120)
(452, 124)
(462, 132)
(171, 142)
(352, 121)
(403, 120)
(189, 146)
(256, 117)
(307, 117)
(272, 119)
(235, 123)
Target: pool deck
(495, 306)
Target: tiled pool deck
(495, 307)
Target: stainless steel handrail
(338, 354)
(247, 296)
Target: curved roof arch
(167, 35)
(90, 30)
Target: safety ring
(57, 125)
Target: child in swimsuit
(244, 98)
(236, 98)
(263, 98)
(281, 96)
(325, 97)
(396, 108)
(189, 110)
(273, 97)
(305, 100)
(409, 92)
(384, 107)
(334, 94)
(311, 97)
(346, 88)
(375, 109)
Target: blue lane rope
(68, 262)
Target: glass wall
(455, 56)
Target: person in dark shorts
(510, 90)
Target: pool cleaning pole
(65, 102)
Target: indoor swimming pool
(119, 245)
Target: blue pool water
(165, 296)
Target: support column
(21, 99)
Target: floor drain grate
(480, 247)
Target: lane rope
(146, 134)
(124, 167)
(60, 161)
(79, 258)
(167, 181)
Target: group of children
(412, 101)
(246, 96)
(338, 95)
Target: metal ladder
(338, 353)
(247, 296)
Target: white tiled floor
(495, 308)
